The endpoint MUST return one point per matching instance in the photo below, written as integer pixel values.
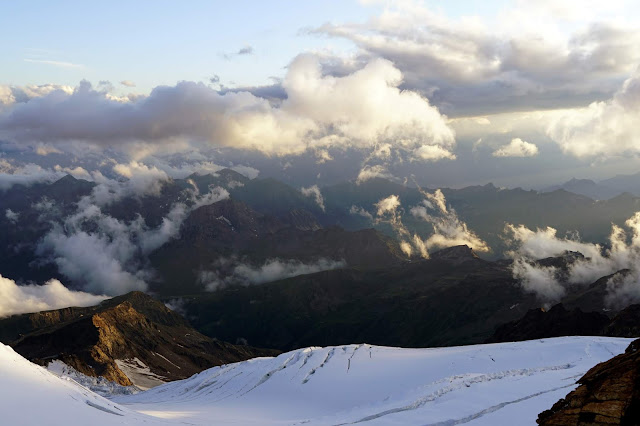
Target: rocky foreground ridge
(134, 328)
(609, 394)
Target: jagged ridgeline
(267, 264)
(130, 339)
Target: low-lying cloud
(106, 255)
(585, 262)
(448, 229)
(11, 174)
(273, 269)
(314, 191)
(20, 299)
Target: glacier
(505, 383)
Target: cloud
(243, 51)
(517, 148)
(61, 64)
(103, 261)
(388, 205)
(433, 153)
(448, 229)
(371, 172)
(185, 164)
(105, 255)
(537, 279)
(11, 216)
(142, 179)
(360, 211)
(271, 270)
(389, 211)
(525, 57)
(247, 171)
(44, 149)
(16, 299)
(322, 156)
(77, 172)
(314, 191)
(550, 283)
(604, 129)
(247, 50)
(28, 174)
(128, 83)
(544, 242)
(360, 110)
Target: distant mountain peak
(574, 181)
(455, 254)
(66, 178)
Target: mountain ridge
(100, 340)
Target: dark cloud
(274, 92)
(247, 50)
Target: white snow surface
(507, 383)
(99, 385)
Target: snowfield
(508, 383)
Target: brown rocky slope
(132, 328)
(609, 394)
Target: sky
(446, 93)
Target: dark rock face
(456, 255)
(303, 220)
(230, 229)
(538, 324)
(609, 394)
(126, 327)
(559, 321)
(626, 323)
(422, 303)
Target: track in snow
(507, 383)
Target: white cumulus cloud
(20, 299)
(517, 148)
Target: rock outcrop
(556, 322)
(456, 255)
(609, 394)
(559, 321)
(626, 323)
(134, 328)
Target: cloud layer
(522, 58)
(606, 128)
(106, 255)
(361, 109)
(20, 299)
(271, 270)
(585, 262)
